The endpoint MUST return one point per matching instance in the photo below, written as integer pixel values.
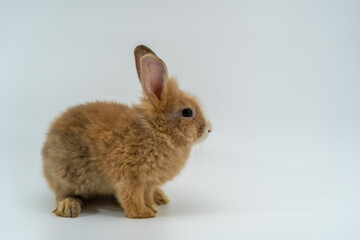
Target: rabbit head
(164, 106)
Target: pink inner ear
(155, 79)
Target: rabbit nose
(209, 127)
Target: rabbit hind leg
(68, 206)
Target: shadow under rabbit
(105, 206)
(109, 206)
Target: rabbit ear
(140, 51)
(153, 76)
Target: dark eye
(187, 112)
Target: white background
(280, 81)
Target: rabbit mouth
(207, 131)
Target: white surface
(279, 79)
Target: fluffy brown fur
(106, 148)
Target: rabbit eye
(187, 112)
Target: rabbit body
(110, 149)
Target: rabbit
(110, 149)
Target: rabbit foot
(160, 197)
(68, 207)
(140, 213)
(154, 208)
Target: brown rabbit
(106, 148)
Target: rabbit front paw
(140, 213)
(160, 197)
